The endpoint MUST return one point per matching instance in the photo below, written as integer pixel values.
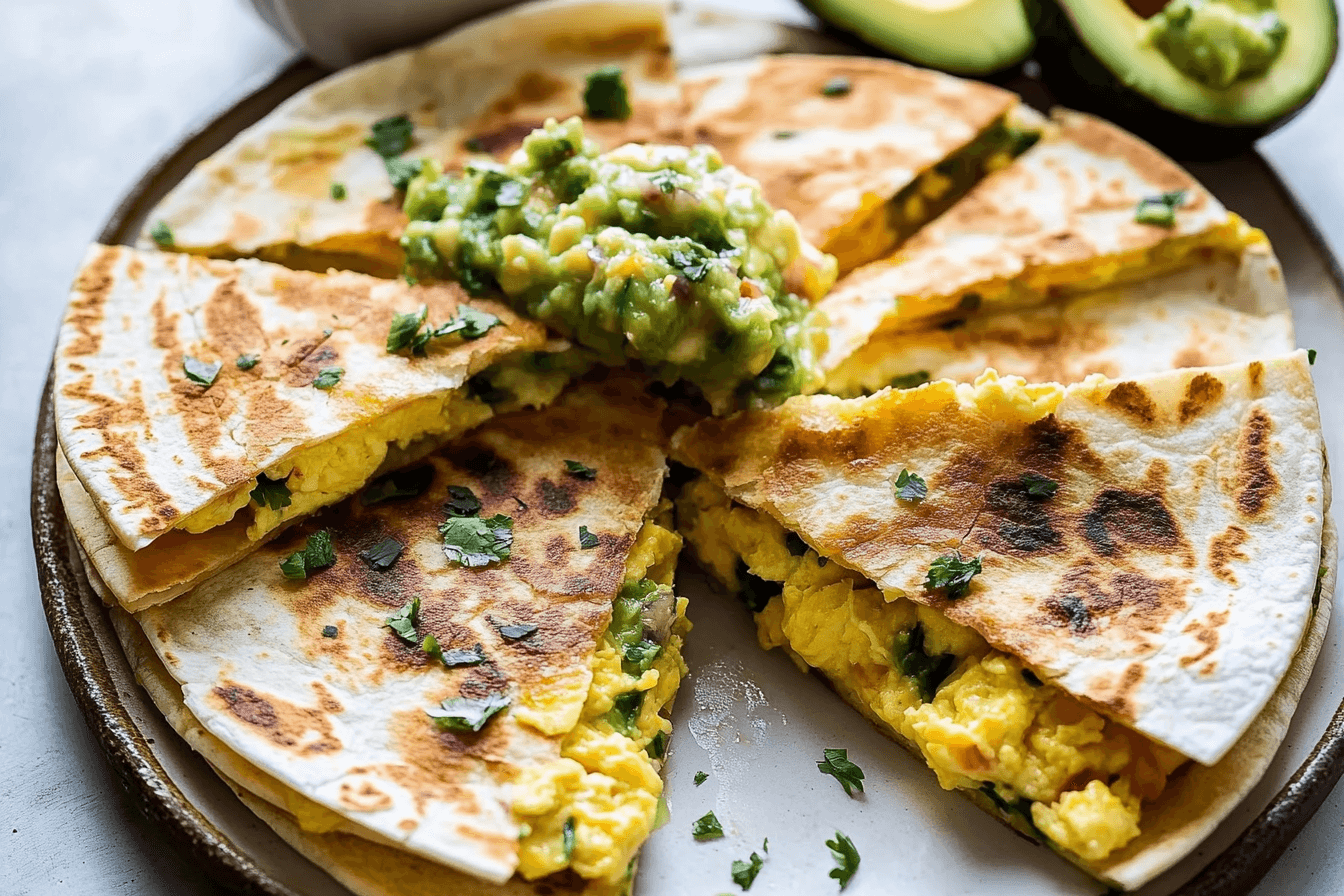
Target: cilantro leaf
(383, 554)
(328, 377)
(161, 234)
(624, 712)
(337, 190)
(638, 658)
(744, 873)
(952, 575)
(462, 501)
(911, 487)
(401, 484)
(1311, 356)
(1159, 211)
(605, 95)
(567, 839)
(665, 179)
(330, 631)
(404, 621)
(516, 631)
(694, 266)
(474, 542)
(657, 747)
(579, 470)
(248, 361)
(700, 778)
(402, 171)
(467, 714)
(404, 327)
(926, 671)
(317, 554)
(272, 493)
(910, 380)
(1039, 486)
(836, 764)
(846, 858)
(706, 827)
(469, 322)
(200, 372)
(456, 657)
(390, 136)
(587, 540)
(837, 87)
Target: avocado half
(1094, 56)
(966, 37)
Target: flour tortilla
(1218, 312)
(268, 192)
(341, 720)
(1067, 202)
(1168, 581)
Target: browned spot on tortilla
(244, 229)
(553, 500)
(503, 140)
(1206, 633)
(1255, 371)
(86, 308)
(1200, 393)
(494, 472)
(531, 87)
(1134, 400)
(1118, 696)
(1223, 549)
(364, 797)
(1131, 602)
(232, 323)
(270, 416)
(1120, 520)
(1256, 483)
(298, 729)
(407, 825)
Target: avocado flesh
(965, 37)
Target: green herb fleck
(162, 235)
(694, 266)
(700, 778)
(272, 493)
(474, 542)
(657, 747)
(402, 171)
(910, 380)
(337, 190)
(706, 827)
(401, 484)
(390, 136)
(784, 135)
(926, 671)
(952, 575)
(836, 764)
(638, 658)
(1311, 356)
(467, 714)
(587, 540)
(383, 554)
(1039, 486)
(317, 554)
(579, 470)
(744, 873)
(462, 501)
(567, 839)
(404, 327)
(517, 631)
(1159, 211)
(624, 712)
(605, 95)
(665, 179)
(404, 621)
(846, 858)
(330, 631)
(199, 372)
(328, 377)
(247, 362)
(836, 87)
(911, 487)
(454, 657)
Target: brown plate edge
(76, 617)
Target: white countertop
(91, 92)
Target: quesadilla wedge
(862, 151)
(1217, 312)
(495, 704)
(303, 188)
(202, 405)
(1057, 596)
(1087, 207)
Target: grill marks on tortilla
(232, 323)
(1256, 483)
(301, 730)
(1223, 550)
(1201, 392)
(86, 309)
(1206, 633)
(1131, 398)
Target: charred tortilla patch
(232, 323)
(1206, 633)
(1256, 483)
(1017, 523)
(1200, 393)
(1128, 601)
(296, 728)
(493, 471)
(85, 313)
(554, 500)
(1225, 548)
(1133, 399)
(1119, 519)
(363, 796)
(502, 141)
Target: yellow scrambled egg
(606, 786)
(980, 720)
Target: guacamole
(661, 254)
(1219, 42)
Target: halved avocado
(1099, 55)
(966, 37)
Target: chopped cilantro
(330, 631)
(836, 764)
(1039, 486)
(383, 554)
(926, 671)
(317, 554)
(693, 265)
(910, 380)
(390, 136)
(517, 631)
(462, 501)
(405, 331)
(1159, 211)
(657, 747)
(404, 621)
(401, 484)
(337, 190)
(638, 658)
(665, 179)
(474, 542)
(328, 377)
(579, 470)
(911, 487)
(605, 95)
(404, 327)
(470, 323)
(587, 540)
(272, 493)
(467, 714)
(706, 827)
(846, 858)
(454, 657)
(952, 575)
(744, 872)
(200, 372)
(161, 234)
(624, 712)
(248, 361)
(700, 778)
(567, 839)
(1311, 356)
(836, 87)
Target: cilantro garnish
(453, 657)
(1311, 356)
(657, 747)
(404, 621)
(200, 372)
(462, 501)
(390, 136)
(605, 95)
(467, 714)
(317, 554)
(337, 190)
(383, 554)
(517, 631)
(405, 331)
(706, 827)
(911, 487)
(1039, 486)
(474, 542)
(692, 265)
(784, 135)
(638, 658)
(248, 361)
(404, 327)
(836, 764)
(328, 377)
(161, 234)
(952, 575)
(587, 540)
(272, 493)
(836, 87)
(926, 671)
(401, 484)
(579, 470)
(700, 778)
(846, 858)
(624, 712)
(330, 631)
(744, 873)
(1159, 211)
(910, 380)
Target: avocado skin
(1078, 79)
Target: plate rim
(76, 616)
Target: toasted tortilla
(1055, 222)
(1216, 312)
(833, 159)
(149, 447)
(1169, 580)
(268, 192)
(341, 720)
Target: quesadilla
(494, 707)
(1087, 207)
(1057, 596)
(862, 151)
(203, 405)
(304, 187)
(1216, 312)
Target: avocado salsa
(661, 254)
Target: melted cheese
(1084, 777)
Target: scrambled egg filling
(605, 787)
(978, 717)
